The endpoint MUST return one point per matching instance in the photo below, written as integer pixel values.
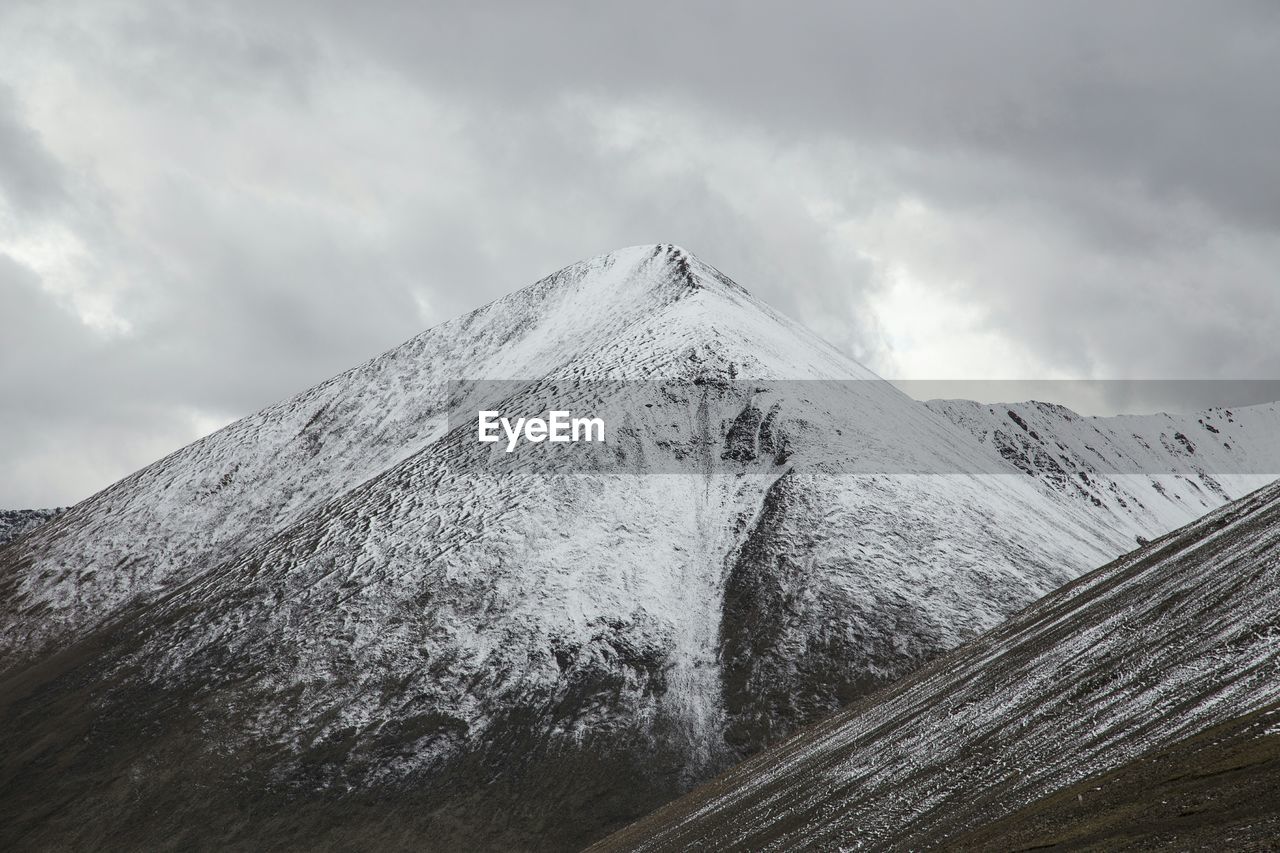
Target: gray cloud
(30, 180)
(205, 213)
(1175, 95)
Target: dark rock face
(16, 522)
(788, 658)
(754, 435)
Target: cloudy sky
(205, 207)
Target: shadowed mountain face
(1152, 680)
(333, 623)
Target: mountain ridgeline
(332, 620)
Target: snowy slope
(1141, 654)
(1162, 471)
(340, 596)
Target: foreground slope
(1216, 790)
(1144, 654)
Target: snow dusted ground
(352, 597)
(1157, 646)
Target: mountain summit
(629, 315)
(341, 626)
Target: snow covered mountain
(1160, 667)
(339, 610)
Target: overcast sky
(206, 207)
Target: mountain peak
(682, 264)
(672, 264)
(693, 271)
